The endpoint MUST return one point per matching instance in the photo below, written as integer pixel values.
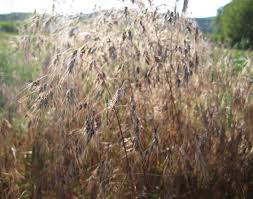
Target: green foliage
(13, 69)
(240, 62)
(235, 24)
(10, 22)
(14, 72)
(7, 26)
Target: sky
(197, 8)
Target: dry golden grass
(131, 104)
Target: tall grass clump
(132, 104)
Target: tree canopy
(235, 23)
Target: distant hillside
(206, 24)
(14, 16)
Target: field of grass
(124, 104)
(14, 74)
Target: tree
(235, 23)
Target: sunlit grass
(127, 105)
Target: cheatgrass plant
(132, 104)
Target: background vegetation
(235, 24)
